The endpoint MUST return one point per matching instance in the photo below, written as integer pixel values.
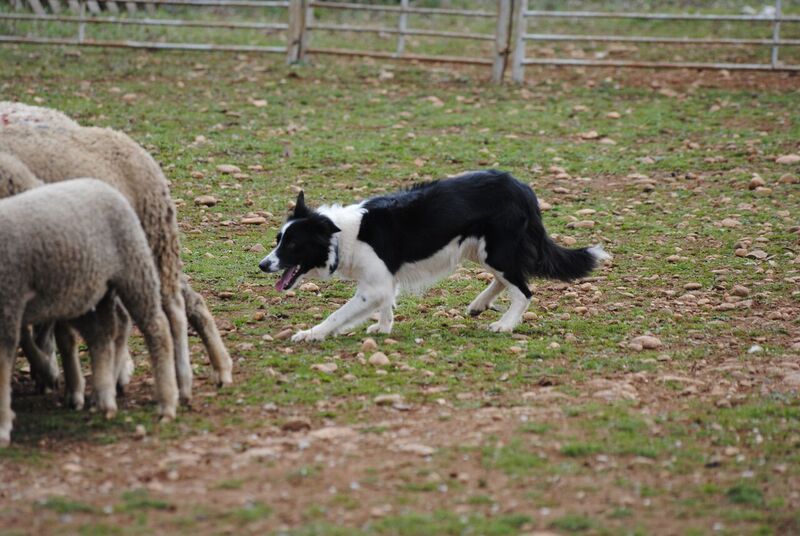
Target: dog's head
(305, 246)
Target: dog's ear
(300, 209)
(331, 227)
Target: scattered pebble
(388, 400)
(296, 424)
(740, 290)
(788, 159)
(228, 169)
(285, 334)
(327, 368)
(205, 200)
(369, 345)
(309, 287)
(645, 342)
(379, 359)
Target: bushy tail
(565, 264)
(544, 258)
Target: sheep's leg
(147, 314)
(44, 369)
(123, 364)
(175, 309)
(11, 320)
(74, 382)
(7, 353)
(202, 321)
(97, 327)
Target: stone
(205, 200)
(296, 424)
(309, 287)
(788, 159)
(369, 345)
(416, 448)
(388, 400)
(327, 368)
(228, 169)
(285, 334)
(740, 290)
(379, 359)
(645, 342)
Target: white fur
(599, 253)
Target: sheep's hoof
(222, 379)
(5, 439)
(110, 414)
(74, 401)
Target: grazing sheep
(57, 153)
(66, 249)
(15, 178)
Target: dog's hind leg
(520, 300)
(385, 319)
(485, 299)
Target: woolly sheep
(15, 178)
(64, 249)
(57, 153)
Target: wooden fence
(298, 20)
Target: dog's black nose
(265, 265)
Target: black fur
(412, 225)
(307, 241)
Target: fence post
(776, 34)
(502, 39)
(401, 37)
(297, 29)
(82, 25)
(37, 7)
(518, 64)
(308, 23)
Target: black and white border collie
(411, 239)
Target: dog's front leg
(358, 308)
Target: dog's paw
(474, 312)
(309, 335)
(501, 327)
(378, 328)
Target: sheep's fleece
(64, 151)
(64, 249)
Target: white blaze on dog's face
(305, 246)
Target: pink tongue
(285, 278)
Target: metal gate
(298, 28)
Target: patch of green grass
(513, 459)
(745, 494)
(577, 449)
(249, 513)
(64, 505)
(140, 499)
(234, 483)
(573, 523)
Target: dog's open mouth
(288, 278)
